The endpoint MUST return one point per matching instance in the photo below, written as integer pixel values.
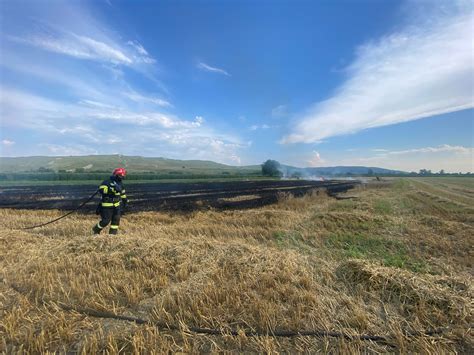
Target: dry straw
(375, 265)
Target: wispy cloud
(138, 47)
(206, 67)
(77, 46)
(65, 150)
(256, 127)
(86, 126)
(439, 149)
(7, 142)
(150, 99)
(316, 159)
(97, 104)
(280, 111)
(424, 70)
(94, 100)
(145, 118)
(452, 158)
(97, 47)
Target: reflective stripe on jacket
(113, 193)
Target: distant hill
(137, 164)
(106, 163)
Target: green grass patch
(343, 205)
(283, 238)
(383, 207)
(291, 240)
(401, 184)
(360, 246)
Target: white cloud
(29, 110)
(100, 48)
(236, 159)
(441, 148)
(68, 50)
(91, 89)
(86, 133)
(206, 67)
(22, 105)
(154, 100)
(315, 159)
(280, 111)
(256, 127)
(54, 76)
(143, 55)
(199, 120)
(145, 118)
(93, 103)
(197, 143)
(74, 149)
(7, 142)
(139, 48)
(85, 128)
(81, 47)
(421, 71)
(451, 158)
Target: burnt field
(169, 196)
(387, 272)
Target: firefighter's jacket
(113, 193)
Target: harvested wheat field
(394, 263)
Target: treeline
(411, 174)
(96, 176)
(426, 172)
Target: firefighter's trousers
(109, 215)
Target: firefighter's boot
(113, 229)
(96, 229)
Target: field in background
(170, 197)
(10, 183)
(396, 260)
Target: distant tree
(370, 172)
(441, 172)
(271, 168)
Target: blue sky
(308, 83)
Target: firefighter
(113, 201)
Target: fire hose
(65, 215)
(383, 339)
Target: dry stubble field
(396, 261)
